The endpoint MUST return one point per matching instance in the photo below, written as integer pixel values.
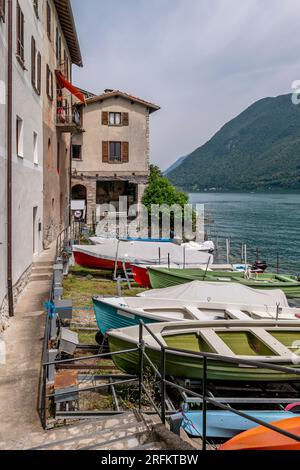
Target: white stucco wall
(137, 134)
(27, 178)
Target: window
(2, 10)
(36, 7)
(58, 47)
(76, 152)
(49, 20)
(114, 119)
(19, 137)
(115, 152)
(20, 35)
(58, 157)
(36, 64)
(35, 149)
(49, 83)
(66, 65)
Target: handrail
(204, 397)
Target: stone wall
(17, 291)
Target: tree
(161, 191)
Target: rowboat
(141, 275)
(221, 424)
(121, 312)
(162, 277)
(262, 438)
(264, 341)
(112, 252)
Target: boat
(112, 253)
(142, 278)
(164, 277)
(220, 292)
(221, 424)
(262, 438)
(264, 341)
(233, 302)
(206, 246)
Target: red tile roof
(117, 93)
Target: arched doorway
(79, 202)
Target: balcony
(69, 119)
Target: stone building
(43, 40)
(61, 50)
(111, 152)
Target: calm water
(269, 222)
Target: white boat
(207, 246)
(193, 302)
(111, 252)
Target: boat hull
(141, 276)
(161, 278)
(180, 366)
(261, 438)
(226, 425)
(110, 317)
(93, 262)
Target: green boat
(264, 341)
(164, 277)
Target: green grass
(81, 290)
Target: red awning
(64, 83)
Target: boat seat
(272, 342)
(197, 314)
(215, 342)
(237, 314)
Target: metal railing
(42, 400)
(65, 237)
(205, 398)
(160, 372)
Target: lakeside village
(150, 340)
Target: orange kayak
(262, 438)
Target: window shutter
(105, 156)
(104, 118)
(33, 62)
(125, 119)
(125, 152)
(39, 72)
(2, 10)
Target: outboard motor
(259, 266)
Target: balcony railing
(68, 118)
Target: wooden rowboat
(267, 342)
(160, 278)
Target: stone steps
(41, 271)
(123, 432)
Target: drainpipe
(9, 160)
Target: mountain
(175, 165)
(258, 150)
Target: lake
(269, 222)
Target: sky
(202, 61)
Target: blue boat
(225, 425)
(111, 317)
